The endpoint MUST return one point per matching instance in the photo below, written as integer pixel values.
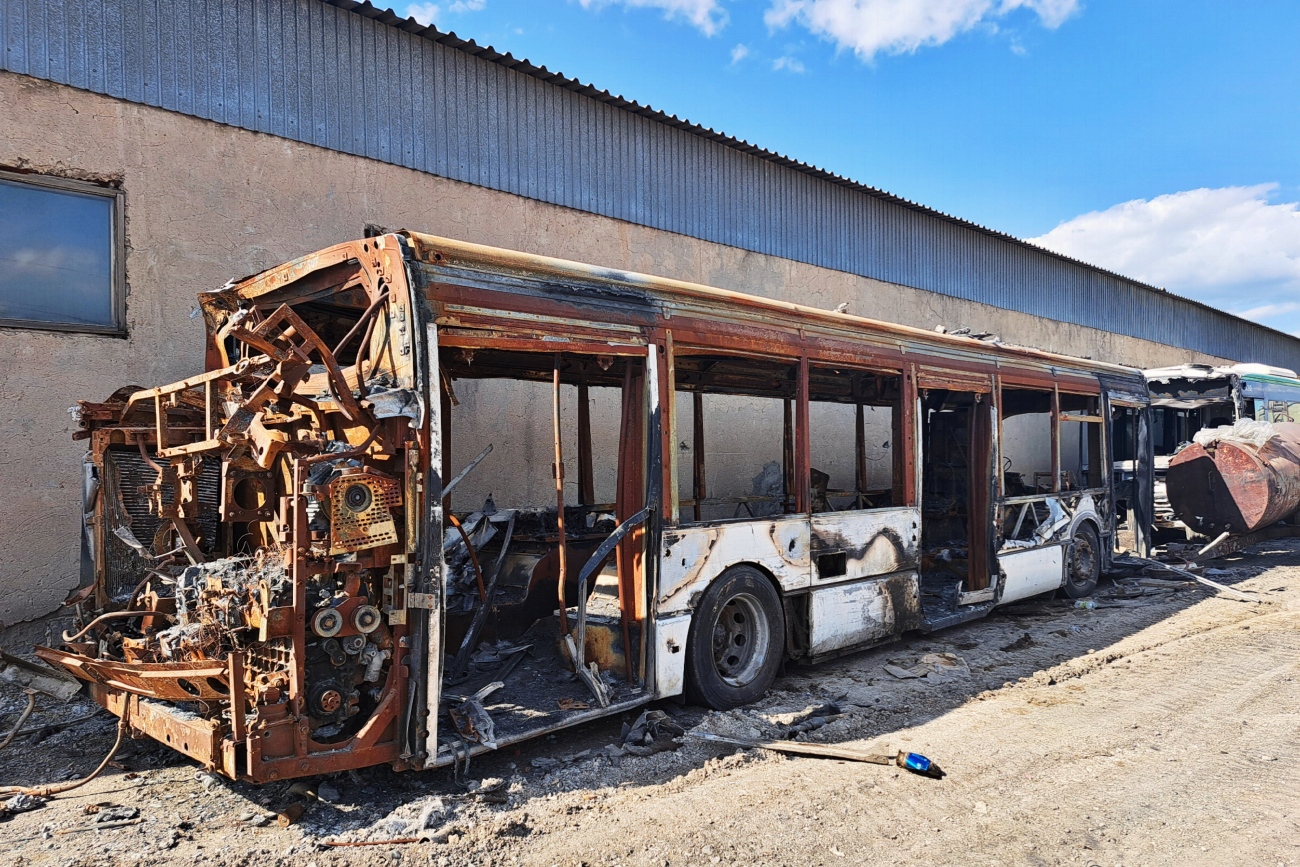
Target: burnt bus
(430, 498)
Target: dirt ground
(1166, 731)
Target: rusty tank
(1237, 479)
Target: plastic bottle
(919, 764)
(1086, 604)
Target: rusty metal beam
(557, 470)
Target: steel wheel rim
(1084, 559)
(741, 636)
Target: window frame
(117, 244)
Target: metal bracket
(427, 601)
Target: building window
(61, 262)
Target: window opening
(736, 437)
(853, 418)
(1026, 442)
(1081, 442)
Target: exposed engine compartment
(253, 526)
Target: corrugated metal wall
(354, 80)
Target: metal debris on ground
(1192, 576)
(653, 732)
(100, 826)
(116, 814)
(914, 762)
(934, 666)
(21, 803)
(472, 720)
(813, 719)
(1024, 642)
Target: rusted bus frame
(278, 746)
(680, 300)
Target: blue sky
(1157, 138)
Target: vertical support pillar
(1056, 438)
(238, 702)
(699, 485)
(802, 451)
(860, 452)
(1000, 487)
(907, 453)
(787, 456)
(586, 473)
(444, 402)
(298, 542)
(557, 470)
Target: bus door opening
(956, 436)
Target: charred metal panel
(670, 655)
(1031, 571)
(862, 613)
(694, 556)
(875, 542)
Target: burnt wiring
(53, 789)
(22, 718)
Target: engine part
(327, 623)
(366, 619)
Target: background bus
(1189, 397)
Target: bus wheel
(1083, 567)
(736, 640)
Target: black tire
(736, 641)
(1083, 562)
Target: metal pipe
(558, 471)
(860, 452)
(365, 317)
(114, 615)
(446, 491)
(22, 718)
(59, 788)
(473, 555)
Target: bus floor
(941, 602)
(540, 692)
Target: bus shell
(430, 498)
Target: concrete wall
(206, 202)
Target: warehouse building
(152, 150)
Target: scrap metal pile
(1237, 478)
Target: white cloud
(789, 64)
(707, 15)
(425, 13)
(428, 13)
(870, 27)
(1269, 311)
(1228, 247)
(739, 53)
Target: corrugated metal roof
(359, 79)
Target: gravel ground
(1166, 731)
